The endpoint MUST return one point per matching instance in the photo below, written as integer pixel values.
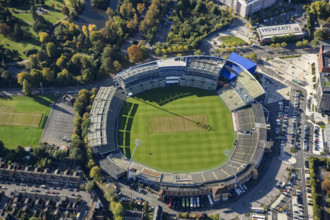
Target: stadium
(202, 130)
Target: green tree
(18, 32)
(48, 74)
(299, 44)
(197, 52)
(283, 44)
(51, 49)
(315, 42)
(253, 56)
(96, 173)
(27, 89)
(305, 42)
(321, 34)
(89, 186)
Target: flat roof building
(266, 33)
(247, 7)
(323, 84)
(324, 59)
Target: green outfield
(182, 129)
(22, 119)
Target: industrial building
(247, 7)
(266, 33)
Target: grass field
(232, 39)
(182, 129)
(20, 118)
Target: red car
(52, 192)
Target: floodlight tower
(227, 154)
(138, 143)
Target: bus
(210, 200)
(170, 203)
(187, 202)
(183, 203)
(258, 210)
(198, 204)
(191, 203)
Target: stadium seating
(231, 98)
(102, 128)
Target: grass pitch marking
(20, 119)
(177, 124)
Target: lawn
(232, 39)
(20, 118)
(182, 129)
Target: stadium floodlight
(227, 154)
(138, 143)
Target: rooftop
(325, 80)
(177, 61)
(279, 30)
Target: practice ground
(182, 129)
(21, 119)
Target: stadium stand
(232, 99)
(245, 119)
(102, 127)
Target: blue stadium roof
(230, 70)
(246, 63)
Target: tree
(140, 8)
(283, 44)
(321, 34)
(95, 173)
(253, 56)
(27, 87)
(18, 32)
(197, 53)
(33, 61)
(43, 37)
(305, 42)
(21, 76)
(326, 185)
(116, 208)
(51, 49)
(299, 44)
(89, 186)
(315, 42)
(48, 74)
(65, 10)
(76, 154)
(321, 9)
(135, 53)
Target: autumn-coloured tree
(43, 37)
(135, 53)
(140, 8)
